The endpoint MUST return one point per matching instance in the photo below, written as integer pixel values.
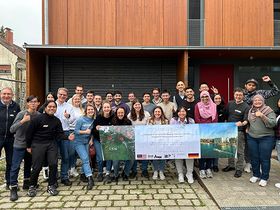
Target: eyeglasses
(204, 96)
(62, 94)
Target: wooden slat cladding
(118, 22)
(239, 23)
(57, 20)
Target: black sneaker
(125, 177)
(238, 174)
(83, 178)
(52, 190)
(107, 179)
(215, 168)
(228, 168)
(145, 174)
(32, 191)
(115, 179)
(100, 177)
(133, 174)
(26, 184)
(66, 182)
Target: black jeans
(7, 144)
(39, 152)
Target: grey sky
(24, 17)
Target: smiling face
(50, 97)
(157, 113)
(61, 96)
(250, 87)
(165, 97)
(50, 108)
(117, 98)
(79, 90)
(120, 113)
(217, 99)
(131, 97)
(205, 99)
(180, 86)
(258, 102)
(156, 94)
(97, 100)
(6, 95)
(182, 114)
(90, 111)
(189, 93)
(106, 108)
(109, 97)
(33, 104)
(137, 107)
(203, 87)
(238, 96)
(146, 98)
(76, 100)
(89, 97)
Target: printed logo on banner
(141, 156)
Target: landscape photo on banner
(213, 140)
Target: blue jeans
(20, 154)
(7, 144)
(260, 153)
(144, 165)
(83, 152)
(127, 166)
(99, 157)
(67, 153)
(205, 163)
(159, 165)
(278, 148)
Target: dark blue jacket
(7, 116)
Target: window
(5, 69)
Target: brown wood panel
(182, 67)
(175, 22)
(152, 23)
(57, 22)
(35, 74)
(213, 23)
(43, 22)
(129, 22)
(91, 22)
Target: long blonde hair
(80, 105)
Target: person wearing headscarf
(205, 112)
(261, 139)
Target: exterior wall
(239, 23)
(117, 23)
(6, 57)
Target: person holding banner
(120, 118)
(82, 141)
(139, 117)
(261, 139)
(105, 118)
(158, 118)
(205, 112)
(183, 119)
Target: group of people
(70, 127)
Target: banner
(117, 142)
(213, 140)
(167, 142)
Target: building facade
(137, 45)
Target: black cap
(252, 81)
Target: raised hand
(266, 78)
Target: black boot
(83, 178)
(90, 183)
(13, 195)
(26, 184)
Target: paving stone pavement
(139, 193)
(229, 191)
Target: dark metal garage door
(109, 74)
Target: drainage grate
(252, 208)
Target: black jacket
(43, 129)
(7, 116)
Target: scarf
(207, 110)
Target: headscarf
(209, 109)
(264, 109)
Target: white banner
(167, 142)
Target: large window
(257, 72)
(5, 69)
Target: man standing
(251, 90)
(80, 91)
(65, 114)
(179, 97)
(19, 127)
(156, 94)
(147, 105)
(119, 103)
(97, 104)
(167, 106)
(237, 111)
(89, 98)
(189, 101)
(8, 111)
(41, 136)
(131, 97)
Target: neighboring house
(12, 66)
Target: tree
(2, 32)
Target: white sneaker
(277, 185)
(45, 172)
(161, 175)
(254, 179)
(202, 174)
(263, 183)
(73, 172)
(190, 178)
(181, 178)
(247, 167)
(209, 173)
(155, 175)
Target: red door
(219, 76)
